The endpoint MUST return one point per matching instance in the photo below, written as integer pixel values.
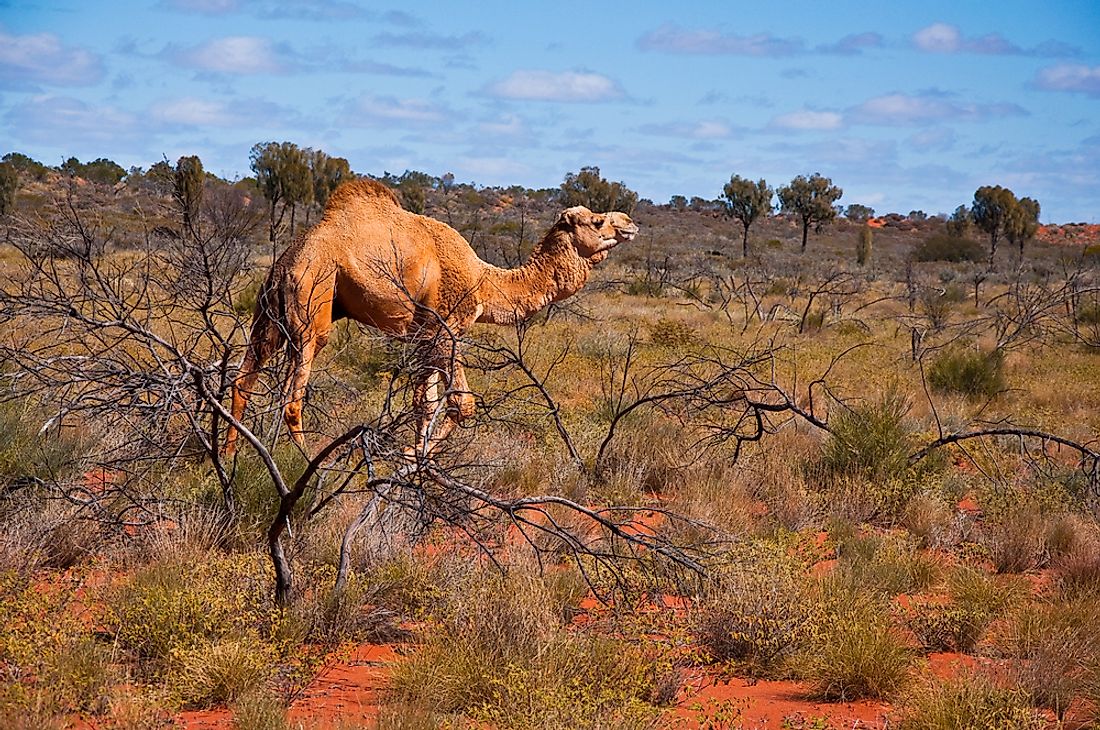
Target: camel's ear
(575, 216)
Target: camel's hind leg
(265, 339)
(311, 337)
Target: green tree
(1022, 223)
(25, 166)
(590, 189)
(863, 246)
(812, 200)
(9, 183)
(746, 201)
(992, 207)
(858, 213)
(678, 202)
(101, 170)
(187, 185)
(958, 225)
(327, 173)
(283, 176)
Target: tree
(590, 189)
(1022, 222)
(992, 207)
(187, 183)
(26, 166)
(283, 176)
(863, 247)
(746, 201)
(859, 213)
(678, 202)
(812, 200)
(327, 172)
(9, 183)
(102, 170)
(958, 225)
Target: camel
(410, 277)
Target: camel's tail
(266, 338)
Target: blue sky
(905, 105)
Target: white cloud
(1070, 77)
(569, 86)
(947, 38)
(234, 55)
(902, 109)
(938, 38)
(193, 112)
(370, 110)
(26, 60)
(808, 120)
(64, 121)
(206, 7)
(670, 38)
(702, 130)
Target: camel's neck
(553, 272)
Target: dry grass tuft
(970, 701)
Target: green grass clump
(968, 372)
(52, 667)
(204, 629)
(755, 617)
(968, 702)
(854, 650)
(946, 626)
(1055, 648)
(500, 655)
(871, 441)
(884, 564)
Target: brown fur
(411, 277)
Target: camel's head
(594, 234)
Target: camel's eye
(598, 221)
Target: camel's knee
(463, 405)
(292, 414)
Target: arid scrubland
(702, 468)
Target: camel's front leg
(442, 400)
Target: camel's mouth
(621, 236)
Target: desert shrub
(501, 656)
(943, 247)
(871, 440)
(167, 610)
(1017, 540)
(1057, 651)
(1077, 571)
(885, 565)
(931, 519)
(756, 615)
(218, 672)
(671, 333)
(854, 650)
(942, 626)
(976, 590)
(51, 665)
(969, 372)
(647, 456)
(27, 454)
(259, 710)
(967, 702)
(244, 303)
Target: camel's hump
(360, 188)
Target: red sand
(768, 704)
